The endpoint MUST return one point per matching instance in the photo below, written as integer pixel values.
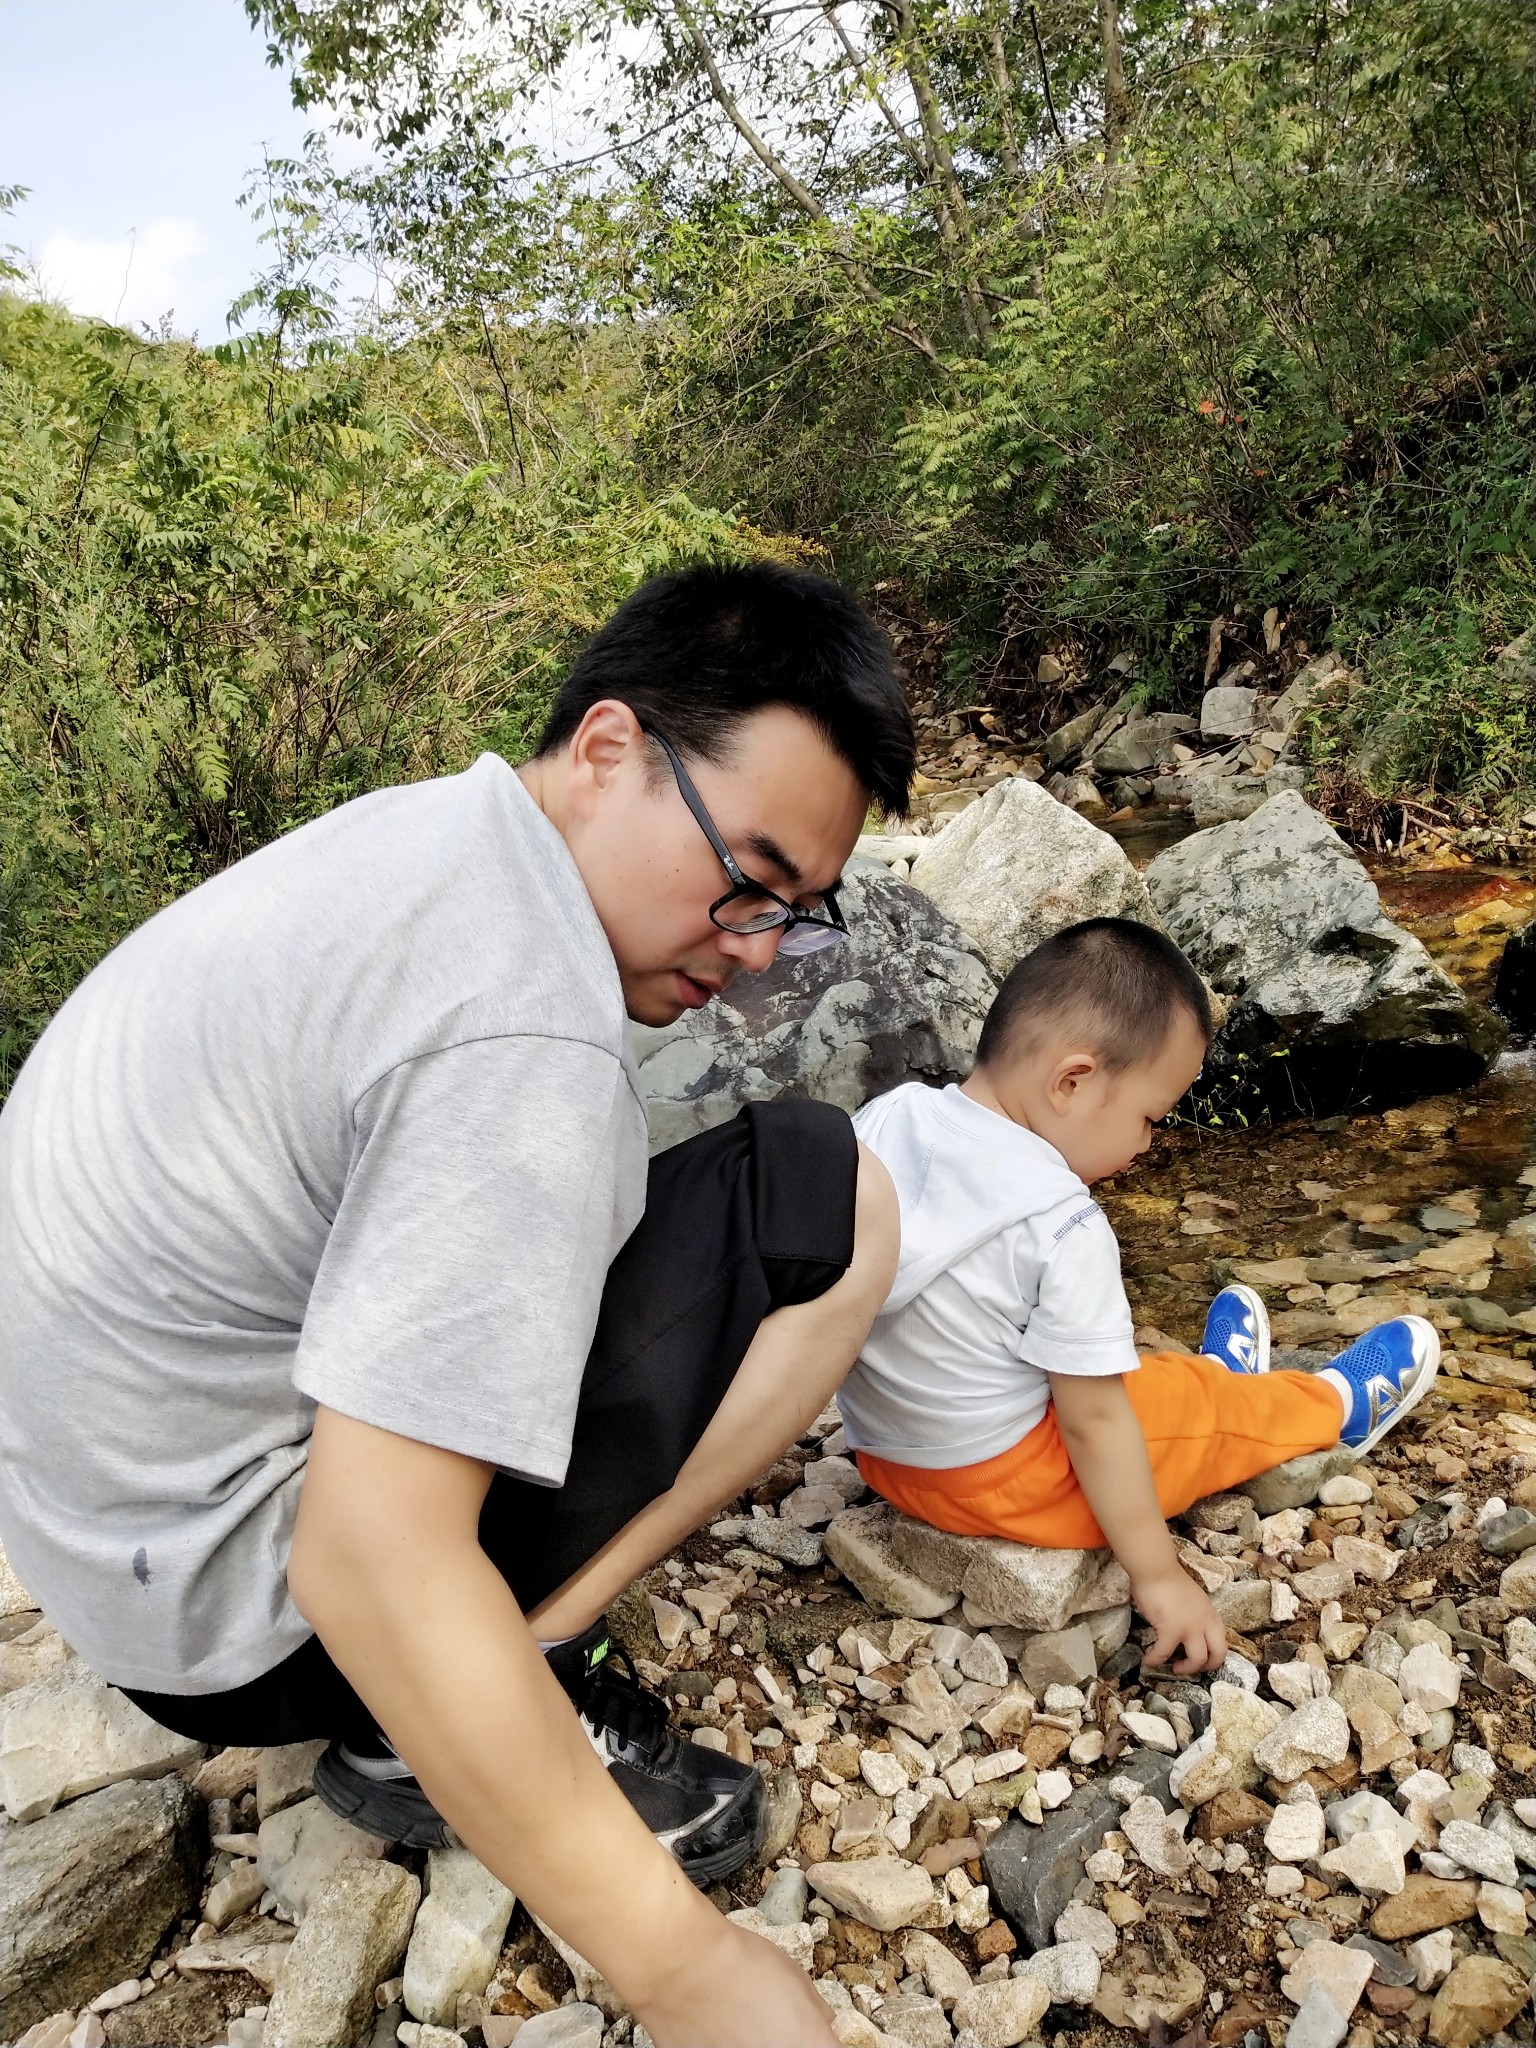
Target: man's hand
(736, 1990)
(1182, 1617)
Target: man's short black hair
(1121, 984)
(695, 652)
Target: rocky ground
(988, 1825)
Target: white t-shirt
(1008, 1271)
(356, 1123)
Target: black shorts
(750, 1217)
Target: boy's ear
(1070, 1073)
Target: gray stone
(457, 1936)
(1069, 1970)
(918, 2022)
(1391, 1966)
(1332, 1003)
(786, 1803)
(352, 1939)
(861, 1543)
(285, 1774)
(1004, 2013)
(1522, 1840)
(1033, 1871)
(1069, 740)
(302, 1847)
(31, 1655)
(902, 999)
(1144, 743)
(182, 2009)
(782, 1540)
(1509, 1534)
(1317, 1732)
(87, 1893)
(1226, 712)
(1318, 2022)
(259, 1948)
(1224, 799)
(69, 1733)
(785, 1897)
(568, 2026)
(1296, 1483)
(1244, 1604)
(1012, 1582)
(1066, 1656)
(884, 1892)
(1017, 866)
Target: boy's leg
(1206, 1429)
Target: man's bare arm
(387, 1567)
(1109, 1456)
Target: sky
(135, 125)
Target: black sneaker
(709, 1810)
(369, 1785)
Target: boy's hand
(1182, 1616)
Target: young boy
(999, 1392)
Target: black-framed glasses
(748, 907)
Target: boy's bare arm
(1109, 1456)
(387, 1566)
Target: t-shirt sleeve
(490, 1186)
(1082, 1320)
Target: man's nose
(755, 950)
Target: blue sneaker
(1381, 1376)
(1237, 1331)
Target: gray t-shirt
(356, 1123)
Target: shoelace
(619, 1701)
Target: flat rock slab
(71, 1733)
(86, 1894)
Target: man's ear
(1070, 1073)
(607, 741)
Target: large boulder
(87, 1894)
(902, 1000)
(1332, 1005)
(1018, 865)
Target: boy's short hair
(1121, 984)
(697, 651)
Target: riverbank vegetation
(1062, 331)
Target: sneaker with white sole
(1381, 1376)
(1237, 1331)
(709, 1810)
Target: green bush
(235, 592)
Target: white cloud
(134, 280)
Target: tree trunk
(1117, 102)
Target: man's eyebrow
(768, 848)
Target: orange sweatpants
(1206, 1429)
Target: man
(307, 1199)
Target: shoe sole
(395, 1812)
(1255, 1305)
(708, 1870)
(1415, 1386)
